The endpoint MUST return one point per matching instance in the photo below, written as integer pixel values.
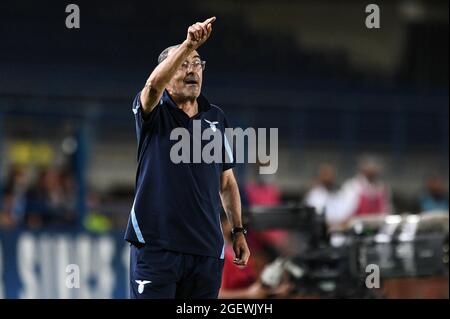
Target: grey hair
(369, 160)
(163, 55)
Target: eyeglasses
(196, 65)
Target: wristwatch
(236, 230)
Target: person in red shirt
(264, 192)
(240, 282)
(364, 194)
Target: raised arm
(197, 34)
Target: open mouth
(191, 81)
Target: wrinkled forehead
(194, 55)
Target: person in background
(47, 202)
(243, 282)
(434, 196)
(12, 211)
(323, 190)
(97, 220)
(69, 189)
(364, 194)
(264, 192)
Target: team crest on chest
(212, 124)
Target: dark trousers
(157, 273)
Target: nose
(190, 67)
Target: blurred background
(362, 117)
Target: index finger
(210, 20)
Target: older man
(177, 246)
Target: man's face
(186, 84)
(327, 176)
(372, 172)
(435, 186)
